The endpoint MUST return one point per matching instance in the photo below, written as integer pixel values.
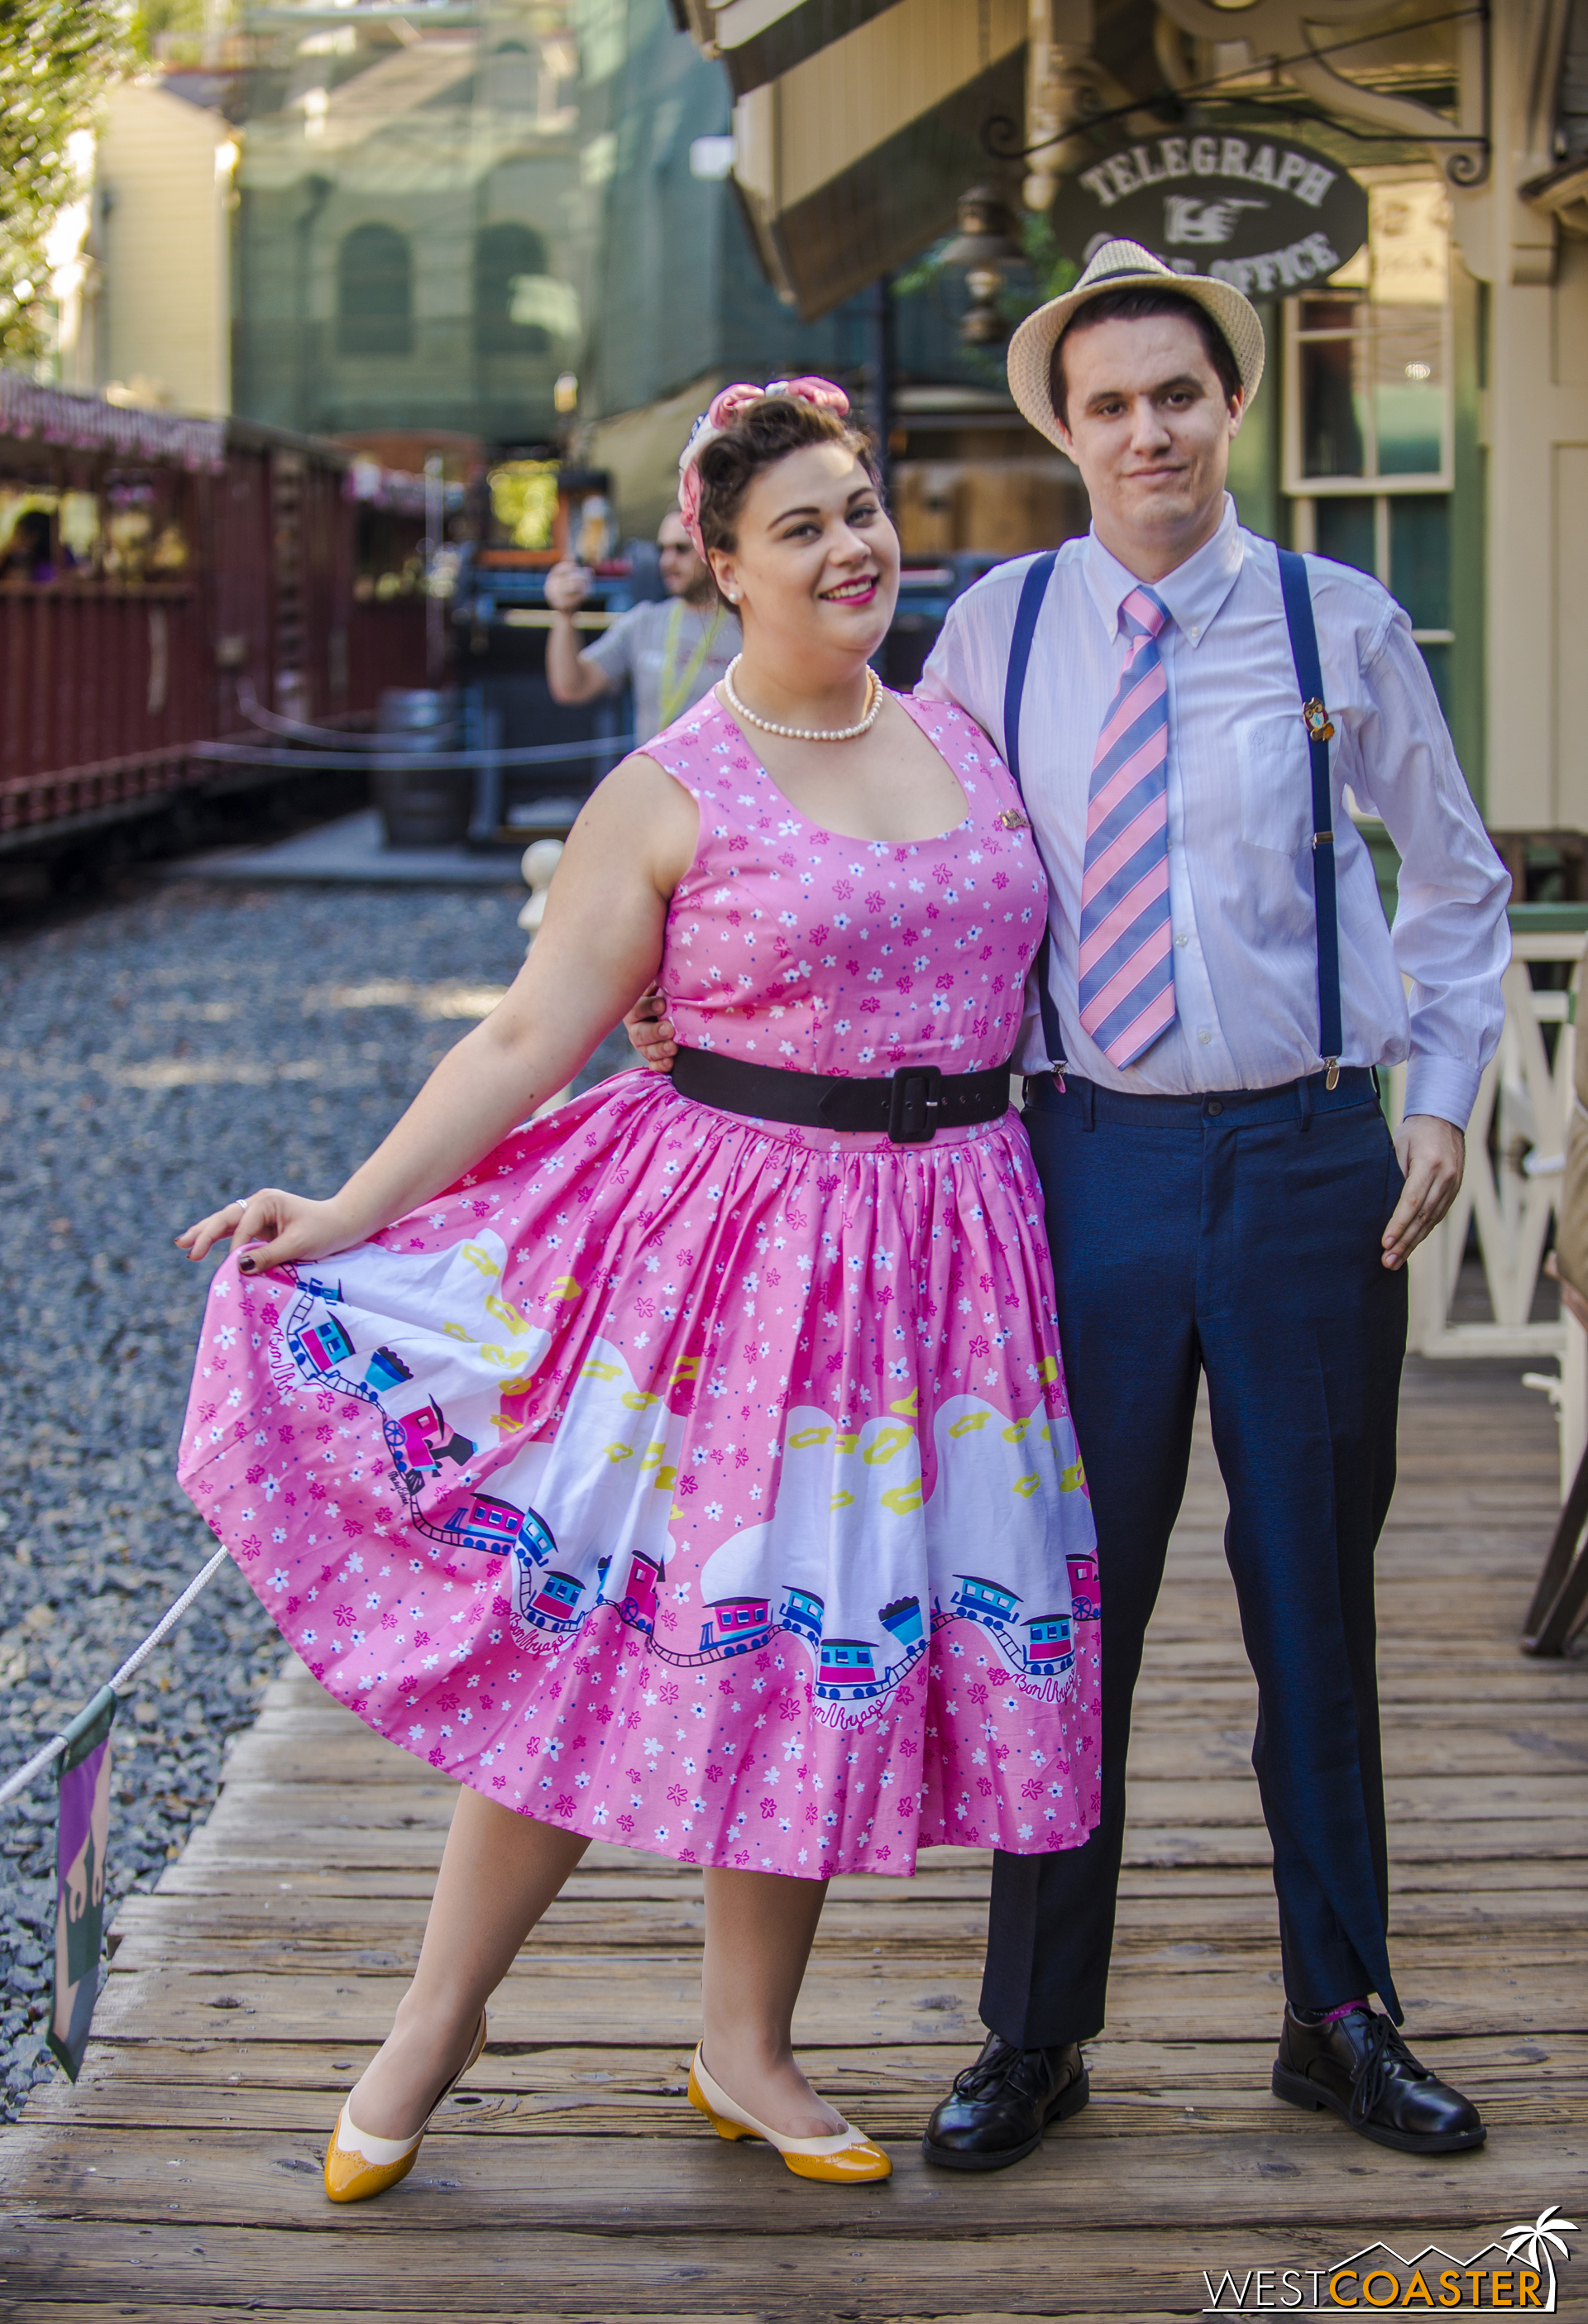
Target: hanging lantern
(984, 246)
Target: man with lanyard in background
(1218, 1002)
(670, 653)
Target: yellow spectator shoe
(846, 2156)
(359, 2165)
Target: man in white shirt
(670, 653)
(1223, 1192)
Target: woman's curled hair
(757, 439)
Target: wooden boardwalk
(180, 2180)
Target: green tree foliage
(57, 58)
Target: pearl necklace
(875, 699)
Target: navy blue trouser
(1238, 1235)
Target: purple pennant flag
(81, 1842)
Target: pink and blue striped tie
(1126, 963)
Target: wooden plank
(842, 2003)
(1297, 2169)
(324, 1932)
(262, 2086)
(1069, 2270)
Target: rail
(1516, 1148)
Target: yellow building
(151, 314)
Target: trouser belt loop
(1303, 1100)
(1088, 1104)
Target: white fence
(1509, 1196)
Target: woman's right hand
(287, 1227)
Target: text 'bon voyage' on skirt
(702, 1483)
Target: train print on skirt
(582, 1516)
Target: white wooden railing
(1516, 1148)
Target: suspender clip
(1331, 1072)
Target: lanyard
(677, 693)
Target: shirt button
(1193, 632)
(1182, 941)
(1203, 1033)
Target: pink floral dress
(697, 1482)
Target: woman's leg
(499, 1872)
(760, 1927)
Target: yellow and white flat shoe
(847, 2154)
(358, 2165)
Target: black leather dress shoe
(1360, 2068)
(998, 2109)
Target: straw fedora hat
(1125, 266)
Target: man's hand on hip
(650, 1030)
(1432, 1154)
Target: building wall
(161, 324)
(429, 143)
(1530, 270)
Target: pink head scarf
(720, 415)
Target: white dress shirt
(1240, 819)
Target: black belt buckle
(915, 1095)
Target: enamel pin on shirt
(1011, 819)
(1319, 725)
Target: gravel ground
(160, 1055)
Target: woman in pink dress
(692, 1468)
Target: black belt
(910, 1105)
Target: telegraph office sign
(1266, 214)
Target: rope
(122, 1683)
(526, 754)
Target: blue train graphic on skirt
(1036, 1645)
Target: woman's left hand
(290, 1227)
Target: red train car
(151, 566)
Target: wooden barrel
(420, 807)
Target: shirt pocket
(1276, 781)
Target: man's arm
(570, 673)
(1451, 937)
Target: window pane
(1345, 532)
(1438, 660)
(1340, 314)
(1332, 413)
(1420, 558)
(1408, 389)
(375, 292)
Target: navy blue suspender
(1310, 677)
(1033, 589)
(1304, 649)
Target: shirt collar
(1194, 592)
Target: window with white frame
(1369, 407)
